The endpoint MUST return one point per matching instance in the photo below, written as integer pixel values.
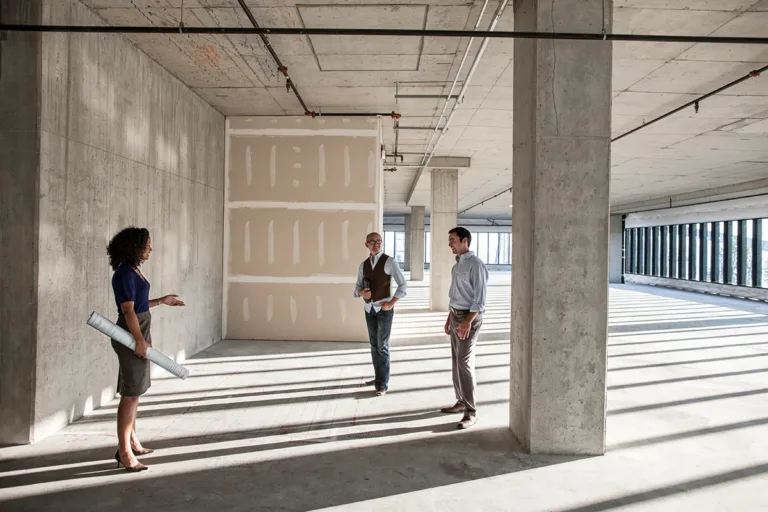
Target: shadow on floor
(328, 477)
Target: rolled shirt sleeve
(393, 269)
(478, 275)
(359, 282)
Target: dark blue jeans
(379, 326)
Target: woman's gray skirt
(133, 378)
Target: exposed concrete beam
(710, 195)
(446, 162)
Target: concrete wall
(19, 163)
(302, 194)
(122, 142)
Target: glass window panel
(750, 264)
(708, 248)
(721, 252)
(482, 247)
(625, 251)
(668, 238)
(675, 247)
(648, 251)
(399, 246)
(764, 252)
(734, 251)
(389, 242)
(493, 248)
(684, 274)
(427, 246)
(696, 250)
(658, 251)
(504, 249)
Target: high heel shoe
(143, 451)
(138, 467)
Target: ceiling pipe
(485, 200)
(476, 62)
(427, 96)
(695, 103)
(283, 69)
(223, 31)
(425, 161)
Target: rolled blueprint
(117, 333)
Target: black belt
(459, 310)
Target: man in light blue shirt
(469, 279)
(374, 285)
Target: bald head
(373, 242)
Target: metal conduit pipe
(476, 62)
(280, 31)
(284, 70)
(695, 103)
(445, 106)
(268, 45)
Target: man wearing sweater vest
(374, 285)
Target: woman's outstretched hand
(171, 300)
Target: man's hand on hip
(387, 306)
(464, 328)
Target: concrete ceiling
(725, 143)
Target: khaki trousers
(463, 359)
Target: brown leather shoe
(466, 422)
(456, 408)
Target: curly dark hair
(127, 247)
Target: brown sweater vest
(380, 281)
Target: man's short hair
(462, 233)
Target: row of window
(731, 252)
(492, 248)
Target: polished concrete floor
(290, 426)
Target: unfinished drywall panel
(302, 168)
(302, 194)
(308, 310)
(296, 242)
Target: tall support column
(417, 243)
(617, 250)
(561, 171)
(407, 249)
(20, 104)
(443, 217)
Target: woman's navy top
(129, 286)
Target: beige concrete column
(443, 217)
(407, 238)
(561, 173)
(417, 243)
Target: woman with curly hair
(127, 251)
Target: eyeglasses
(374, 242)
